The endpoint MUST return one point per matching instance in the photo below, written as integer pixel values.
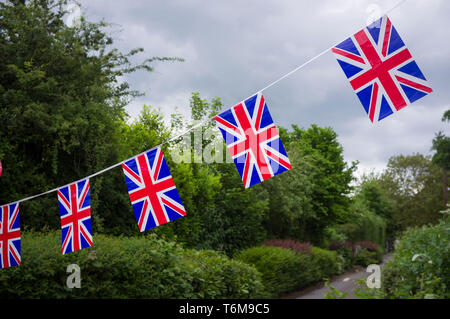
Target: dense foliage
(414, 184)
(61, 104)
(119, 267)
(284, 269)
(421, 264)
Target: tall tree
(413, 183)
(61, 102)
(441, 144)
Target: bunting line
(198, 124)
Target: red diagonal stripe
(86, 236)
(260, 111)
(278, 159)
(158, 164)
(129, 171)
(172, 206)
(143, 214)
(387, 34)
(373, 102)
(226, 124)
(13, 218)
(63, 198)
(17, 258)
(86, 190)
(67, 238)
(348, 55)
(246, 169)
(414, 84)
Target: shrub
(420, 266)
(348, 256)
(118, 267)
(364, 257)
(217, 276)
(290, 244)
(325, 263)
(282, 270)
(361, 253)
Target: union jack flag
(381, 70)
(152, 191)
(9, 236)
(75, 208)
(253, 141)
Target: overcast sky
(232, 49)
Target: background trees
(414, 184)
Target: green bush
(284, 270)
(420, 267)
(118, 267)
(325, 263)
(217, 276)
(348, 260)
(364, 257)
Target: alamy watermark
(74, 15)
(374, 12)
(74, 279)
(374, 279)
(205, 145)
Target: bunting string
(398, 4)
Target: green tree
(371, 191)
(61, 104)
(441, 145)
(413, 183)
(314, 194)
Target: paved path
(347, 282)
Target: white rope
(203, 122)
(319, 55)
(112, 166)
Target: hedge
(119, 267)
(284, 270)
(420, 266)
(325, 263)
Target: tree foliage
(314, 194)
(413, 183)
(61, 102)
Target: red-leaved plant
(335, 245)
(290, 244)
(370, 246)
